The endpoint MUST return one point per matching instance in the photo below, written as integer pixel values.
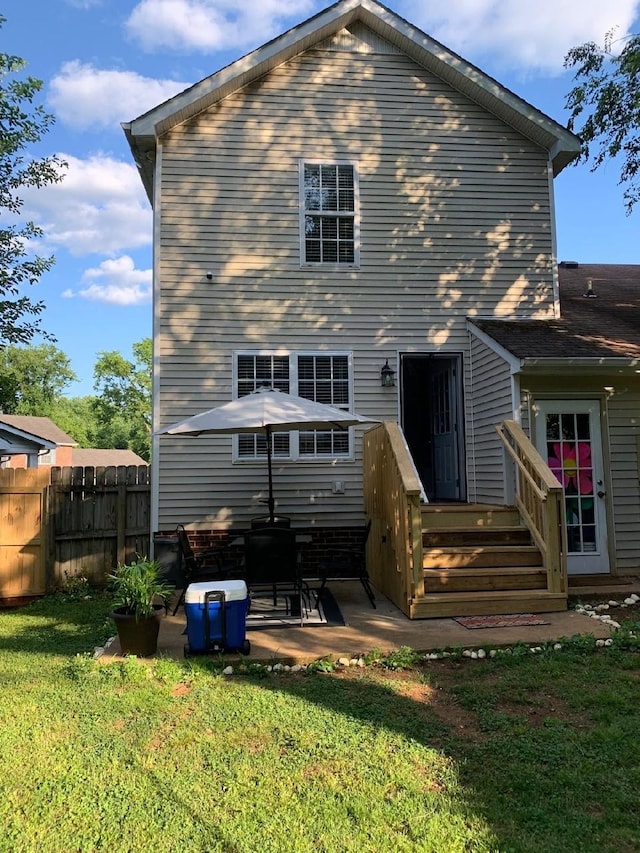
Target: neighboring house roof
(143, 131)
(99, 458)
(37, 428)
(599, 327)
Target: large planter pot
(138, 637)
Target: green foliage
(138, 586)
(539, 755)
(605, 106)
(33, 379)
(75, 587)
(77, 417)
(403, 658)
(627, 636)
(326, 664)
(123, 402)
(22, 124)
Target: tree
(78, 418)
(606, 100)
(124, 398)
(21, 125)
(33, 379)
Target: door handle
(601, 494)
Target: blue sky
(108, 61)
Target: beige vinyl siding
(491, 389)
(454, 222)
(623, 410)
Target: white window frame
(294, 453)
(333, 265)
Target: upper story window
(329, 214)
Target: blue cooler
(216, 616)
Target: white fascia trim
(417, 44)
(253, 65)
(554, 242)
(515, 364)
(29, 438)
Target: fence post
(121, 522)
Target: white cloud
(213, 24)
(117, 282)
(529, 34)
(83, 4)
(99, 208)
(86, 97)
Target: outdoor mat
(286, 612)
(513, 620)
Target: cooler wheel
(246, 647)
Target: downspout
(155, 391)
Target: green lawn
(520, 753)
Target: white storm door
(568, 437)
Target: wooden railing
(540, 501)
(392, 502)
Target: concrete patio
(384, 628)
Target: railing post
(416, 547)
(509, 478)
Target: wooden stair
(480, 560)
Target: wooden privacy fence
(61, 522)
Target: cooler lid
(233, 590)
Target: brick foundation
(322, 539)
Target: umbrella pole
(271, 502)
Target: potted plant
(140, 596)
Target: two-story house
(350, 197)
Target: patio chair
(206, 566)
(339, 564)
(271, 565)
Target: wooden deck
(440, 560)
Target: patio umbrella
(265, 411)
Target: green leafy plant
(75, 587)
(326, 664)
(403, 658)
(138, 587)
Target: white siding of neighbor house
(454, 221)
(492, 403)
(620, 404)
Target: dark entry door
(431, 411)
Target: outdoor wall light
(387, 376)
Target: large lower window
(323, 377)
(328, 207)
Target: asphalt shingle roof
(38, 427)
(606, 325)
(98, 458)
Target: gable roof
(98, 457)
(601, 329)
(143, 131)
(32, 427)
